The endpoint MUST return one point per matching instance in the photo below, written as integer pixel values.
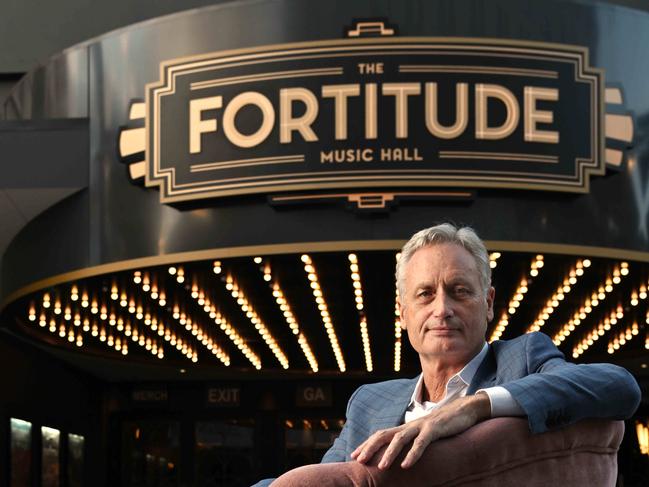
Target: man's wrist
(481, 406)
(502, 402)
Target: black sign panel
(375, 113)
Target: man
(446, 301)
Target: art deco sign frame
(398, 112)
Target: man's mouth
(442, 330)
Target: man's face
(444, 308)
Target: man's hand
(448, 420)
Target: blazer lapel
(485, 376)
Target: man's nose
(442, 305)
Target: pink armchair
(500, 452)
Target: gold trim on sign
(455, 194)
(613, 96)
(447, 154)
(431, 68)
(211, 166)
(619, 127)
(305, 247)
(297, 73)
(614, 157)
(132, 141)
(137, 170)
(137, 111)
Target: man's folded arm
(558, 393)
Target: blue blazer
(551, 391)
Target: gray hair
(446, 233)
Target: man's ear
(491, 295)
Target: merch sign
(374, 113)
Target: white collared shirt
(502, 402)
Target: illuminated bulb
(137, 277)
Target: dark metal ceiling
(262, 313)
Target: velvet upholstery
(500, 452)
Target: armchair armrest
(499, 452)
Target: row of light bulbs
(591, 302)
(119, 343)
(557, 297)
(537, 263)
(239, 296)
(642, 431)
(497, 332)
(155, 325)
(324, 311)
(623, 338)
(517, 298)
(397, 327)
(285, 308)
(197, 330)
(358, 296)
(493, 259)
(96, 331)
(599, 330)
(230, 331)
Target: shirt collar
(465, 375)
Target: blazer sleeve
(342, 447)
(557, 393)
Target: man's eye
(461, 291)
(424, 294)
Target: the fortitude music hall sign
(375, 112)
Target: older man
(446, 301)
